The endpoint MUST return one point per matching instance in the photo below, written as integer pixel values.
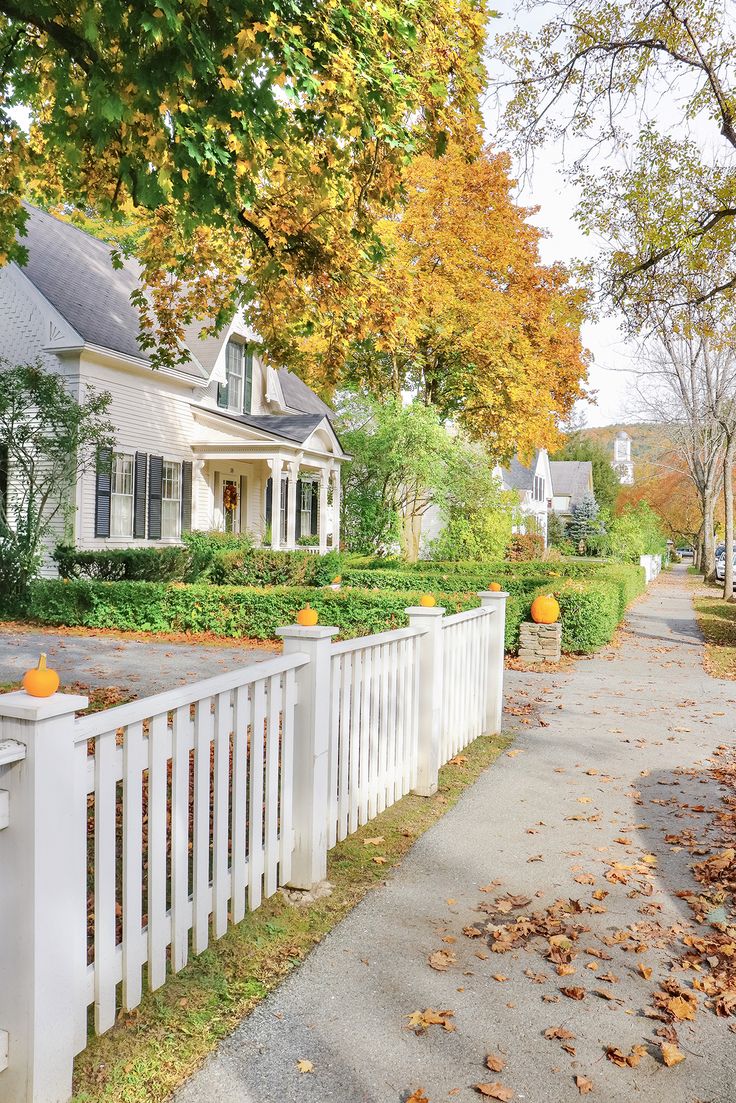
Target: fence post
(43, 898)
(429, 705)
(311, 751)
(495, 600)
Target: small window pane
(121, 500)
(171, 501)
(234, 370)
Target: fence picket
(180, 839)
(105, 897)
(221, 813)
(132, 836)
(286, 800)
(345, 745)
(239, 872)
(203, 733)
(157, 846)
(255, 832)
(271, 848)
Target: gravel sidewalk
(621, 761)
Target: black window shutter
(315, 509)
(155, 478)
(186, 496)
(139, 496)
(269, 501)
(102, 491)
(298, 530)
(222, 395)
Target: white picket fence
(130, 838)
(652, 565)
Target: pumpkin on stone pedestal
(545, 609)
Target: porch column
(336, 509)
(276, 466)
(291, 506)
(324, 477)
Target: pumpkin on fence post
(495, 587)
(545, 609)
(307, 617)
(428, 601)
(41, 680)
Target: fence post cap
(496, 595)
(21, 706)
(425, 611)
(304, 632)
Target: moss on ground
(152, 1050)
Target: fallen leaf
(573, 993)
(495, 1064)
(419, 1021)
(373, 842)
(305, 1066)
(417, 1096)
(584, 1085)
(495, 1091)
(441, 960)
(671, 1055)
(380, 861)
(458, 760)
(645, 971)
(559, 1032)
(626, 1059)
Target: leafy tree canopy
(606, 486)
(641, 76)
(463, 313)
(256, 143)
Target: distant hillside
(649, 443)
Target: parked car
(686, 553)
(721, 567)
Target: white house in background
(572, 480)
(221, 442)
(533, 484)
(622, 463)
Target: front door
(229, 498)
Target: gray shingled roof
(299, 396)
(571, 478)
(296, 427)
(517, 477)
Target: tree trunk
(728, 502)
(709, 544)
(412, 535)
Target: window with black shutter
(299, 507)
(103, 478)
(139, 495)
(315, 509)
(186, 496)
(155, 479)
(269, 501)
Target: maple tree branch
(75, 45)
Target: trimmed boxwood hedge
(591, 609)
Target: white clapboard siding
(373, 727)
(188, 797)
(467, 661)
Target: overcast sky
(610, 374)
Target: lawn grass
(154, 1049)
(717, 621)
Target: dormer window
(236, 394)
(538, 488)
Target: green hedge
(123, 564)
(232, 611)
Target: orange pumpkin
(428, 601)
(307, 616)
(545, 609)
(495, 587)
(41, 681)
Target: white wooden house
(221, 442)
(533, 483)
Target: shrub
(232, 611)
(529, 545)
(123, 564)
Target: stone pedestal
(540, 643)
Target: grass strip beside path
(153, 1050)
(717, 621)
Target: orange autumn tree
(463, 313)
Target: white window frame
(171, 496)
(307, 492)
(235, 375)
(122, 471)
